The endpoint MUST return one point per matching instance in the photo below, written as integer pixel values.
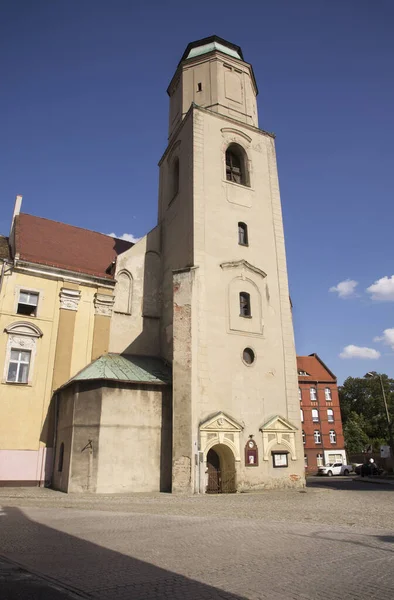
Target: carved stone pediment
(278, 423)
(278, 433)
(220, 422)
(221, 429)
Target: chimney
(17, 210)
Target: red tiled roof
(315, 367)
(54, 244)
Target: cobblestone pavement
(332, 541)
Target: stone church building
(199, 390)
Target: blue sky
(83, 110)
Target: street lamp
(372, 375)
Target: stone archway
(221, 473)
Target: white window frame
(333, 436)
(20, 289)
(299, 394)
(19, 362)
(315, 415)
(314, 393)
(330, 415)
(22, 336)
(302, 415)
(317, 437)
(303, 437)
(319, 460)
(328, 394)
(305, 461)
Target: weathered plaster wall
(252, 394)
(85, 438)
(64, 435)
(176, 218)
(137, 331)
(135, 440)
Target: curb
(373, 480)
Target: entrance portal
(220, 470)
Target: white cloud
(359, 352)
(345, 288)
(128, 237)
(387, 338)
(382, 289)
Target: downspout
(5, 261)
(54, 437)
(321, 422)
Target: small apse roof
(126, 368)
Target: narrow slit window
(242, 234)
(244, 304)
(199, 87)
(175, 177)
(61, 458)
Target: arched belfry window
(242, 234)
(236, 165)
(244, 305)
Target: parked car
(335, 469)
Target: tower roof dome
(209, 44)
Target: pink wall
(26, 465)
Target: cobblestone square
(333, 540)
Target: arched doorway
(220, 470)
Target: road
(332, 541)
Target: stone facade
(202, 271)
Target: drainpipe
(54, 437)
(321, 428)
(5, 262)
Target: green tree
(362, 397)
(356, 439)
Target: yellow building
(56, 297)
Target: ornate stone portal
(221, 429)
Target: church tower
(226, 322)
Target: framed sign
(279, 459)
(251, 454)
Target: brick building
(320, 413)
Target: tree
(356, 439)
(363, 412)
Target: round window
(248, 356)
